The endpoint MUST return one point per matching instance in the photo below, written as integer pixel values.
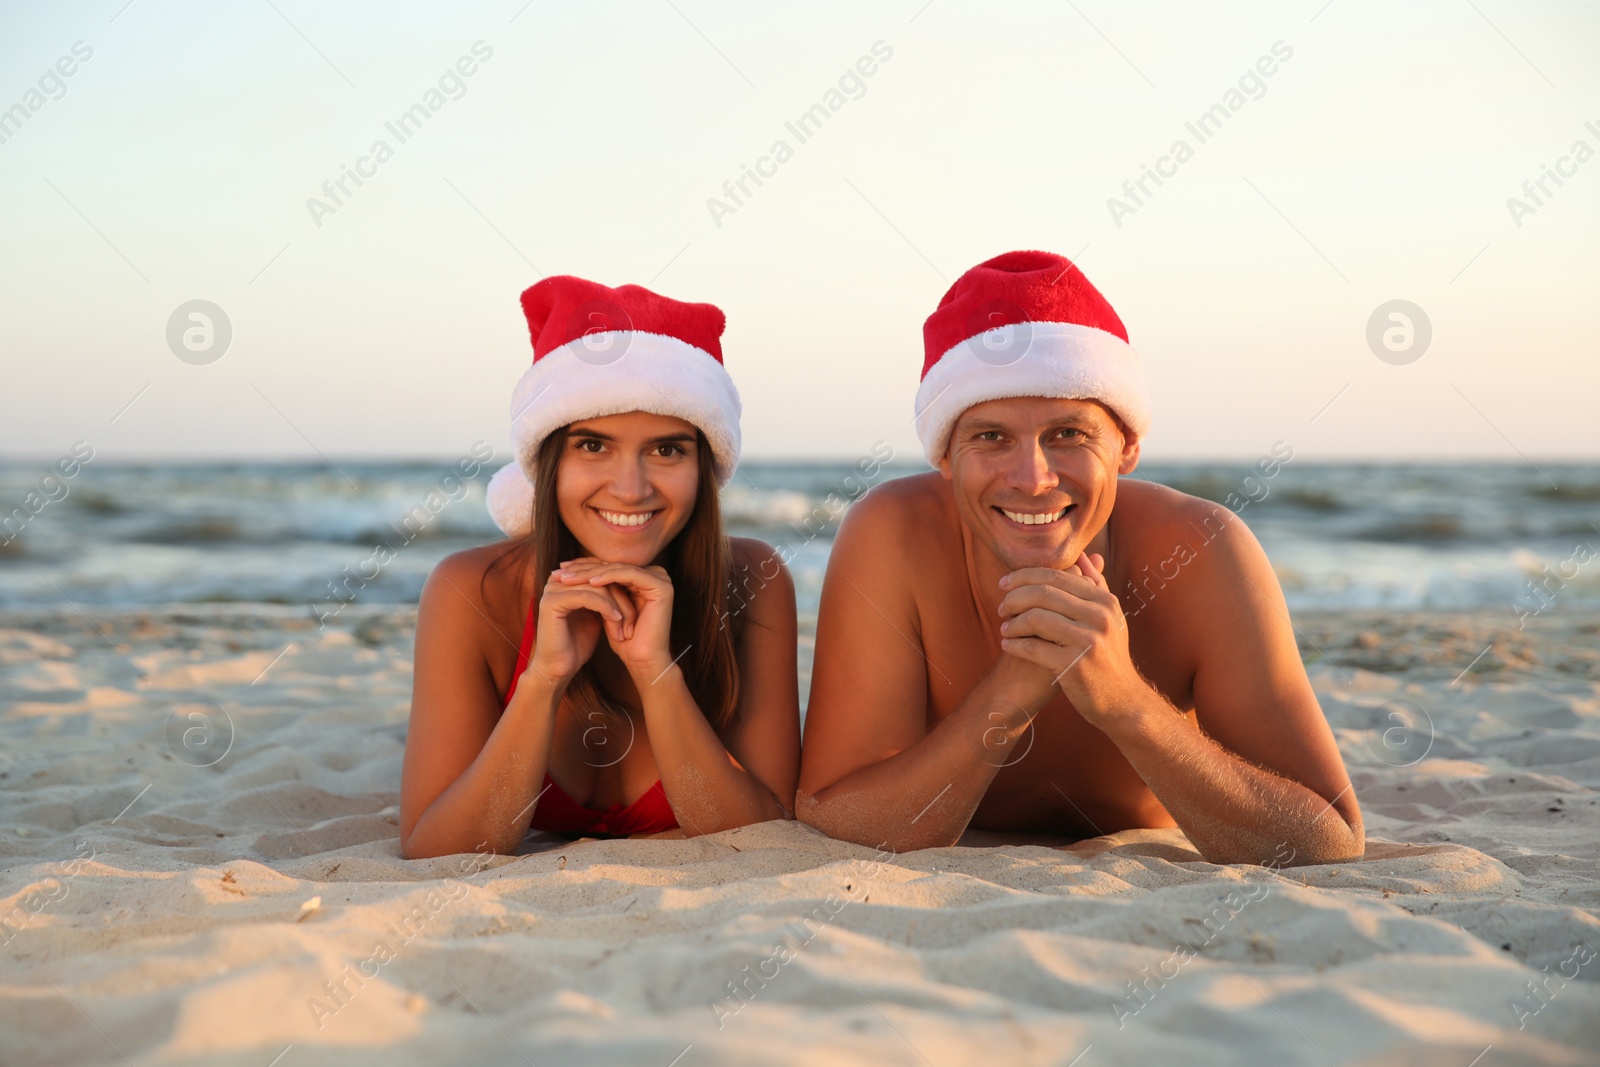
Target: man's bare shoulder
(899, 530)
(1172, 532)
(918, 503)
(1156, 517)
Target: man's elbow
(835, 817)
(809, 810)
(1342, 840)
(1342, 843)
(1347, 846)
(814, 812)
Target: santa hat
(600, 351)
(1024, 324)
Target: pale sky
(1375, 163)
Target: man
(1018, 641)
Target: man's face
(1035, 478)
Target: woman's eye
(589, 445)
(671, 450)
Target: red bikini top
(558, 812)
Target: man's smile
(1036, 518)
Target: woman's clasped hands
(633, 605)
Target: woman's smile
(626, 520)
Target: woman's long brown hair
(700, 564)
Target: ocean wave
(97, 502)
(765, 508)
(1417, 529)
(1419, 535)
(1574, 494)
(1318, 500)
(207, 530)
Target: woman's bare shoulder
(754, 554)
(478, 587)
(762, 585)
(756, 561)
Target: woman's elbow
(769, 809)
(412, 849)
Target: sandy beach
(227, 889)
(1267, 314)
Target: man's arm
(871, 772)
(1263, 777)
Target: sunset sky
(185, 156)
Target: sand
(240, 899)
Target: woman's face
(627, 484)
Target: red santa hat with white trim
(601, 351)
(1025, 324)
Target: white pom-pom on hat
(510, 499)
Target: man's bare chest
(1063, 775)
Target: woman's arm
(748, 774)
(765, 737)
(472, 774)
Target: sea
(1399, 536)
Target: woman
(643, 695)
